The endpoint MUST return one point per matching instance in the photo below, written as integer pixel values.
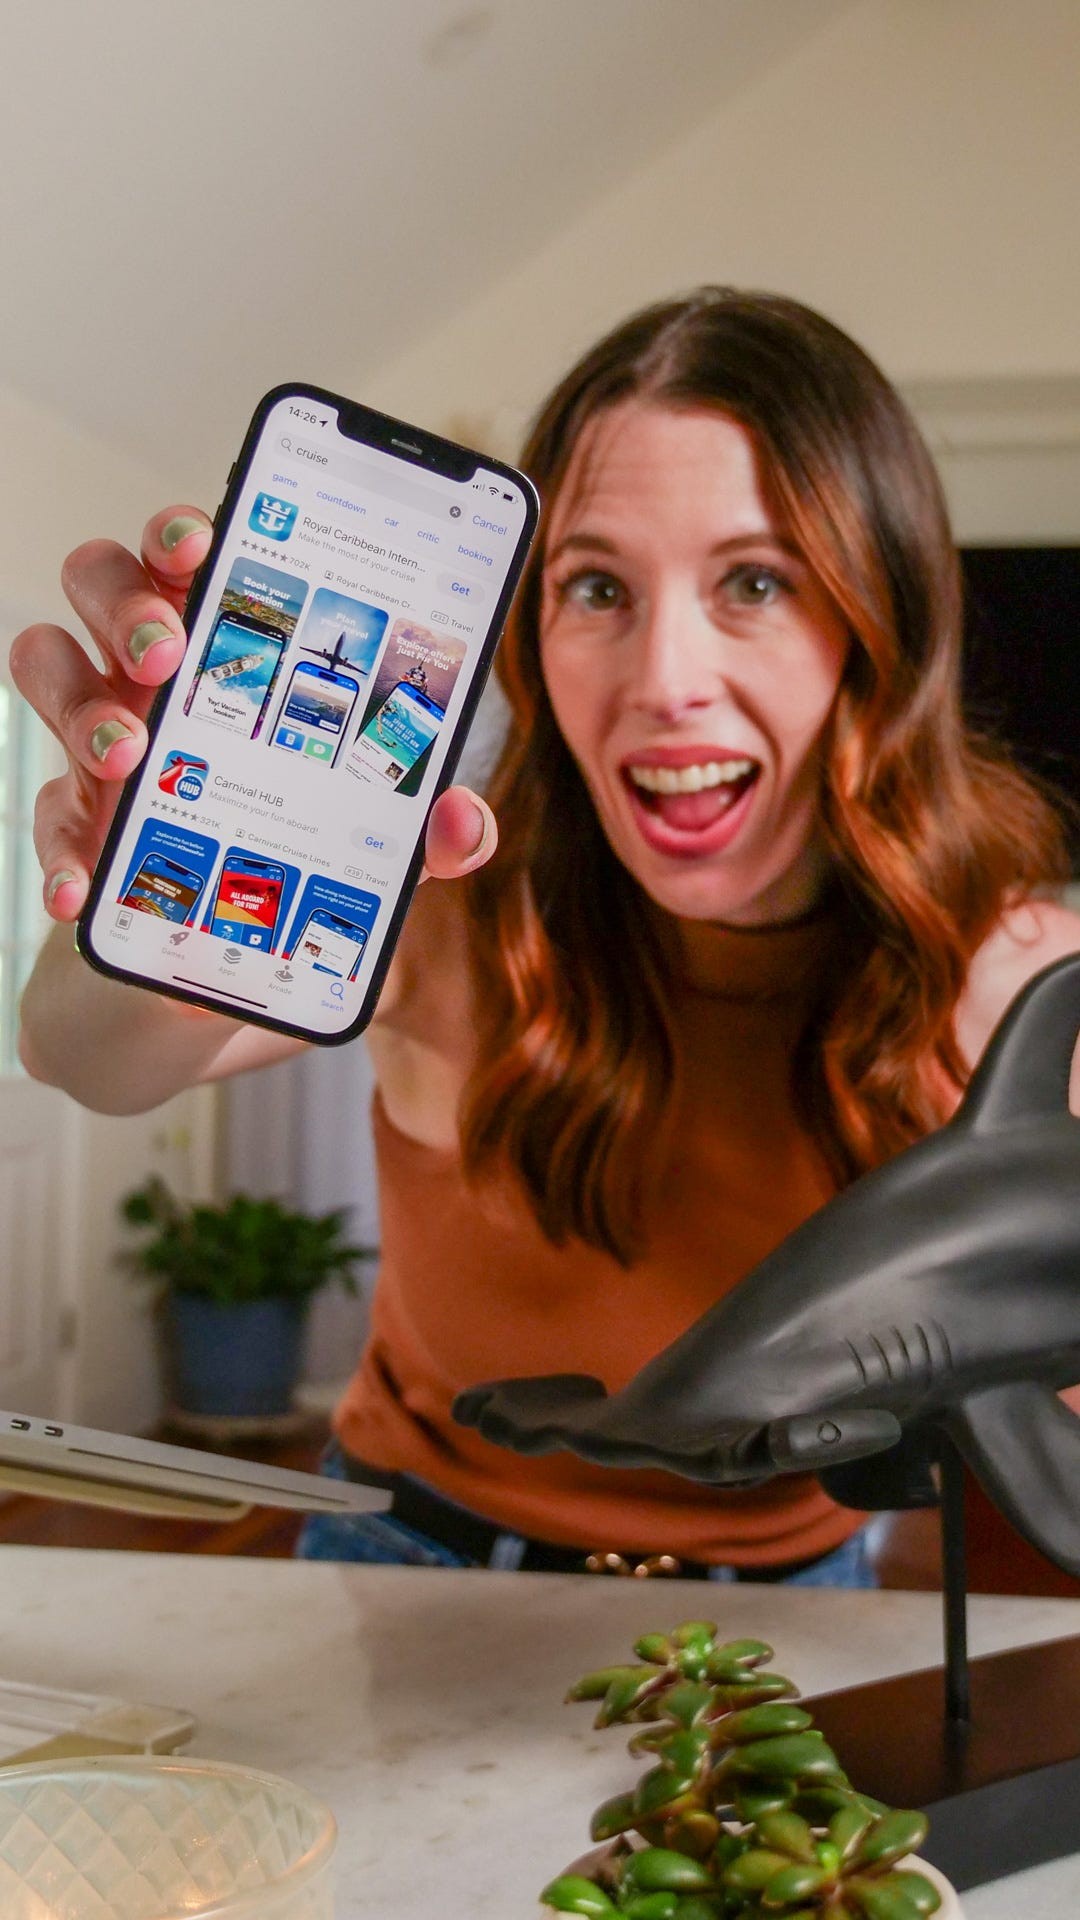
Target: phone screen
(339, 636)
(331, 945)
(316, 710)
(161, 886)
(247, 901)
(399, 731)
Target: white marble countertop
(426, 1706)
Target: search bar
(381, 481)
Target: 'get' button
(458, 588)
(380, 846)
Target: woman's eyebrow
(576, 542)
(599, 543)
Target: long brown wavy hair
(931, 831)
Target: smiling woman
(757, 903)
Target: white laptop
(65, 1462)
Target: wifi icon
(493, 489)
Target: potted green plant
(745, 1809)
(237, 1282)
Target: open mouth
(694, 798)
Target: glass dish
(154, 1838)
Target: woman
(757, 905)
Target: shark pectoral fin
(896, 1480)
(1023, 1074)
(1023, 1445)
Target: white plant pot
(950, 1908)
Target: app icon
(272, 517)
(184, 775)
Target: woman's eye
(591, 590)
(754, 586)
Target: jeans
(379, 1539)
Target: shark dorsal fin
(1024, 1074)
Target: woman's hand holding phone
(132, 609)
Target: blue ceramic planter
(235, 1359)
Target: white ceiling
(199, 200)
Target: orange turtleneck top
(470, 1291)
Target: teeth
(692, 779)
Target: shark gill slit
(859, 1361)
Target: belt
(470, 1535)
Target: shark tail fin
(1024, 1073)
(1023, 1445)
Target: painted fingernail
(58, 880)
(178, 529)
(482, 841)
(150, 633)
(105, 737)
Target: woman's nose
(677, 663)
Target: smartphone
(398, 733)
(247, 901)
(164, 888)
(331, 944)
(312, 781)
(315, 712)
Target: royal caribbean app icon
(272, 517)
(183, 774)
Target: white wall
(59, 487)
(913, 170)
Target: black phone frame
(422, 448)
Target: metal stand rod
(954, 1586)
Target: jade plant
(745, 1809)
(242, 1251)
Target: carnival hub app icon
(272, 517)
(183, 774)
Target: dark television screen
(1022, 658)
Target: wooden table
(425, 1706)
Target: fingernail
(149, 634)
(176, 530)
(105, 737)
(58, 880)
(481, 843)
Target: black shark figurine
(939, 1291)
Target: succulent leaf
(795, 1756)
(651, 1906)
(753, 1870)
(847, 1827)
(700, 1633)
(693, 1831)
(660, 1788)
(594, 1685)
(613, 1817)
(890, 1899)
(764, 1721)
(657, 1869)
(794, 1882)
(687, 1701)
(787, 1832)
(923, 1896)
(572, 1893)
(656, 1647)
(891, 1836)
